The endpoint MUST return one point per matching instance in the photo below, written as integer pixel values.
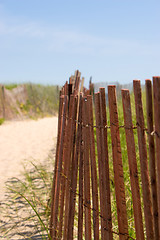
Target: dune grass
(26, 209)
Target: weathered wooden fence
(81, 205)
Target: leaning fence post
(117, 164)
(143, 161)
(132, 165)
(152, 164)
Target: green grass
(10, 86)
(2, 121)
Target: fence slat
(93, 169)
(81, 178)
(117, 164)
(74, 171)
(61, 99)
(106, 161)
(132, 164)
(152, 164)
(59, 169)
(156, 88)
(87, 202)
(101, 168)
(71, 146)
(143, 161)
(66, 154)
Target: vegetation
(26, 211)
(11, 86)
(42, 100)
(30, 100)
(2, 121)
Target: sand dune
(24, 140)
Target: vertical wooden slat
(77, 82)
(59, 169)
(101, 168)
(87, 203)
(74, 171)
(152, 166)
(132, 165)
(66, 156)
(82, 83)
(81, 178)
(61, 99)
(156, 88)
(143, 161)
(66, 88)
(106, 160)
(68, 172)
(117, 164)
(93, 169)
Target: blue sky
(45, 41)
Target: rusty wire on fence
(81, 171)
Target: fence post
(143, 161)
(132, 165)
(117, 164)
(152, 164)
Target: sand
(21, 141)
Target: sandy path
(24, 140)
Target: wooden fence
(82, 199)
